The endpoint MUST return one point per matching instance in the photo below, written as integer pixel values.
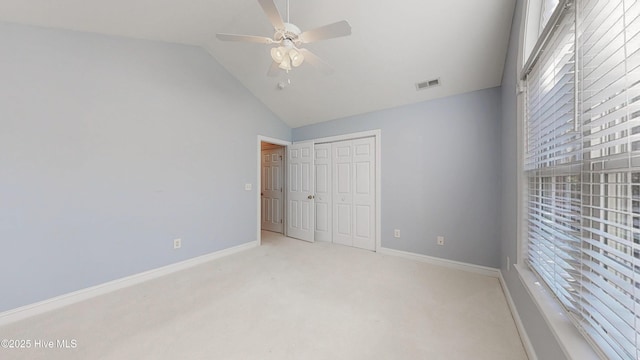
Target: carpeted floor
(286, 299)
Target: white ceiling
(393, 45)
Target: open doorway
(271, 185)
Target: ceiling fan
(290, 38)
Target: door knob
(310, 197)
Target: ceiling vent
(427, 84)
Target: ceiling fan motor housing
(290, 32)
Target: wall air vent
(427, 84)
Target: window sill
(574, 345)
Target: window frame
(572, 341)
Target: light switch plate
(247, 187)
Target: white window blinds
(553, 165)
(609, 43)
(582, 164)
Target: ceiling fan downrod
(288, 11)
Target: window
(582, 168)
(547, 8)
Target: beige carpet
(287, 300)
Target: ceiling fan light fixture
(296, 57)
(285, 64)
(278, 54)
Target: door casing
(272, 189)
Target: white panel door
(323, 192)
(342, 193)
(364, 193)
(300, 191)
(272, 194)
(354, 193)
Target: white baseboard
(478, 269)
(526, 342)
(57, 302)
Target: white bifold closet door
(323, 192)
(353, 190)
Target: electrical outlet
(396, 233)
(247, 187)
(440, 240)
(177, 243)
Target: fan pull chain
(282, 85)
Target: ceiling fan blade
(245, 38)
(273, 70)
(314, 60)
(271, 10)
(338, 29)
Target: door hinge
(280, 157)
(280, 221)
(280, 189)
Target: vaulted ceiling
(394, 45)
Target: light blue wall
(440, 161)
(109, 149)
(112, 147)
(542, 338)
